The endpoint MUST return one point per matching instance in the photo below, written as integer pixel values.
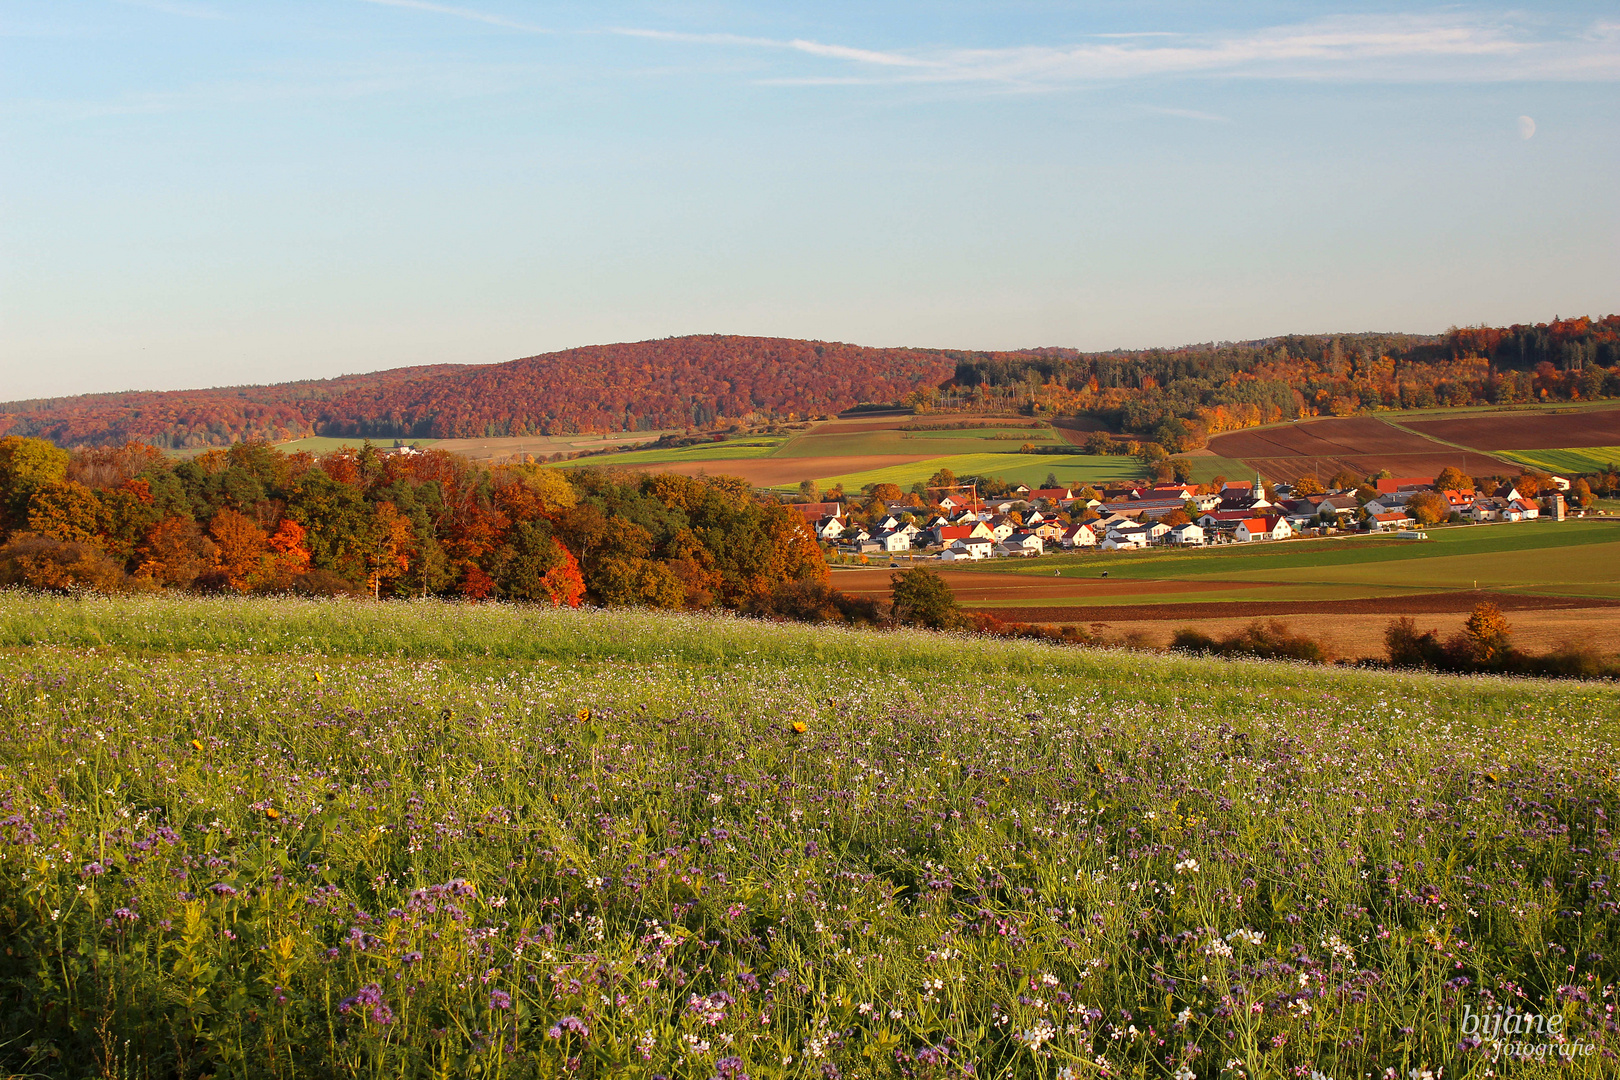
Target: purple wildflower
(571, 1024)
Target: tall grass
(288, 838)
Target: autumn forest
(1176, 397)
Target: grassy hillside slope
(278, 838)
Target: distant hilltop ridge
(705, 380)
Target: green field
(755, 446)
(276, 838)
(936, 443)
(1030, 469)
(1586, 459)
(1573, 558)
(967, 452)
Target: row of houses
(965, 527)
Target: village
(962, 525)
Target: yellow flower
(196, 744)
(272, 813)
(800, 727)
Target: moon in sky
(1527, 127)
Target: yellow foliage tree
(1488, 629)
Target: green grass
(1567, 558)
(1207, 468)
(1583, 570)
(754, 446)
(492, 823)
(1586, 459)
(936, 443)
(1031, 469)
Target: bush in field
(920, 597)
(1273, 640)
(1406, 647)
(817, 602)
(1485, 644)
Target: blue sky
(209, 192)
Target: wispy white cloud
(814, 48)
(462, 13)
(1390, 48)
(1454, 46)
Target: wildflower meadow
(318, 838)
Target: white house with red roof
(974, 549)
(1262, 528)
(1389, 519)
(1077, 536)
(828, 528)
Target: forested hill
(671, 383)
(174, 418)
(1176, 397)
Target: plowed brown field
(1455, 603)
(1348, 628)
(1363, 445)
(981, 589)
(1527, 431)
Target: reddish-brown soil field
(1347, 628)
(1075, 430)
(1527, 431)
(1337, 437)
(1363, 445)
(1388, 607)
(978, 589)
(1473, 463)
(770, 472)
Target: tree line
(1174, 398)
(252, 518)
(1177, 398)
